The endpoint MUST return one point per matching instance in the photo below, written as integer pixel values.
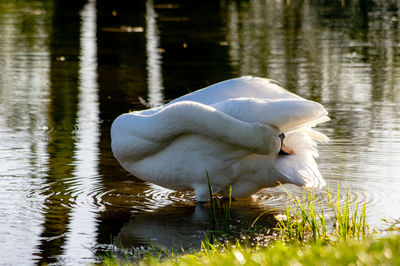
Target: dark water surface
(68, 68)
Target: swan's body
(229, 130)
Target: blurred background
(69, 68)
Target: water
(68, 69)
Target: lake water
(68, 68)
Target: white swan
(231, 130)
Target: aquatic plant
(220, 210)
(350, 222)
(304, 223)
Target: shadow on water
(68, 69)
(63, 90)
(185, 226)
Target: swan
(246, 134)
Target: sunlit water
(67, 70)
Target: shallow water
(68, 69)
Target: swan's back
(246, 87)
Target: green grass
(368, 252)
(306, 235)
(220, 211)
(303, 223)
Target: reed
(220, 210)
(212, 207)
(303, 223)
(350, 222)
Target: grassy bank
(366, 252)
(305, 236)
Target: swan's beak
(283, 150)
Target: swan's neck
(159, 129)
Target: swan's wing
(285, 114)
(247, 87)
(243, 87)
(314, 135)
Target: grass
(303, 223)
(220, 211)
(366, 252)
(306, 236)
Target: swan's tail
(300, 167)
